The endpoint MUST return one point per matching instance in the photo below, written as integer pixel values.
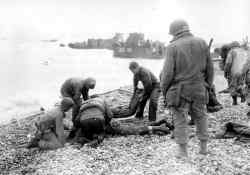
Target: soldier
(93, 118)
(95, 121)
(225, 49)
(248, 88)
(151, 90)
(74, 88)
(187, 71)
(50, 129)
(235, 70)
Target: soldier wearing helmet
(50, 129)
(235, 71)
(75, 88)
(187, 71)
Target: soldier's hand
(165, 102)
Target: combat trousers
(180, 116)
(153, 104)
(236, 86)
(49, 141)
(75, 111)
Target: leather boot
(243, 98)
(248, 113)
(182, 151)
(234, 100)
(203, 147)
(191, 122)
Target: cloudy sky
(224, 20)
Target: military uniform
(187, 72)
(95, 121)
(74, 88)
(236, 68)
(50, 129)
(151, 91)
(93, 118)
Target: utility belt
(92, 114)
(156, 85)
(178, 91)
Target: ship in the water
(136, 46)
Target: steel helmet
(178, 26)
(234, 44)
(90, 82)
(66, 103)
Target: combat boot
(234, 100)
(203, 147)
(243, 98)
(182, 151)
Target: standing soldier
(151, 90)
(187, 71)
(235, 68)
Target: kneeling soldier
(95, 121)
(50, 129)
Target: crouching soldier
(50, 129)
(74, 88)
(92, 120)
(95, 121)
(151, 90)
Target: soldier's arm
(108, 112)
(209, 77)
(85, 94)
(147, 82)
(135, 81)
(59, 128)
(77, 96)
(228, 63)
(167, 73)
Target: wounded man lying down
(95, 121)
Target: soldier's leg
(191, 122)
(233, 87)
(201, 122)
(153, 104)
(142, 104)
(180, 116)
(49, 142)
(241, 85)
(75, 112)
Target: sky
(223, 20)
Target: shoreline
(135, 152)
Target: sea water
(32, 73)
